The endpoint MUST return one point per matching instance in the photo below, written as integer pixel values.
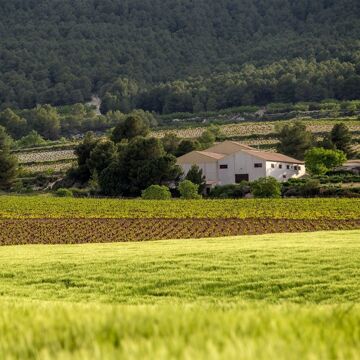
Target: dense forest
(61, 51)
(286, 81)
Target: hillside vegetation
(62, 51)
(245, 297)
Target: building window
(284, 176)
(288, 167)
(280, 166)
(273, 166)
(258, 165)
(299, 168)
(223, 166)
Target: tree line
(287, 81)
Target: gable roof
(200, 156)
(272, 156)
(228, 147)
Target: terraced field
(34, 161)
(261, 128)
(46, 156)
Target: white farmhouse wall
(240, 163)
(280, 170)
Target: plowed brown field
(71, 231)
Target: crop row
(260, 128)
(71, 231)
(45, 156)
(44, 167)
(51, 207)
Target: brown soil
(77, 231)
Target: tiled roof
(212, 154)
(272, 156)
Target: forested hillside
(62, 51)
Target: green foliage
(71, 63)
(196, 176)
(341, 139)
(186, 146)
(14, 124)
(171, 143)
(83, 152)
(156, 192)
(140, 163)
(13, 207)
(206, 139)
(319, 160)
(33, 139)
(8, 162)
(101, 156)
(267, 187)
(189, 190)
(63, 193)
(233, 191)
(134, 125)
(295, 140)
(46, 121)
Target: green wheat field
(288, 296)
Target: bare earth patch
(78, 231)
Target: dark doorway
(241, 177)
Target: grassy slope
(283, 296)
(49, 207)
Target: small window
(258, 165)
(273, 166)
(288, 167)
(280, 166)
(223, 166)
(299, 168)
(284, 176)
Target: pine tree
(8, 163)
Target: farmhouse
(231, 162)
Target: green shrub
(62, 192)
(156, 192)
(231, 191)
(266, 187)
(80, 193)
(189, 190)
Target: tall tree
(342, 139)
(133, 126)
(295, 140)
(196, 176)
(141, 163)
(8, 162)
(14, 124)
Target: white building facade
(231, 162)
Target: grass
(271, 296)
(50, 207)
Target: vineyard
(261, 128)
(49, 220)
(45, 156)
